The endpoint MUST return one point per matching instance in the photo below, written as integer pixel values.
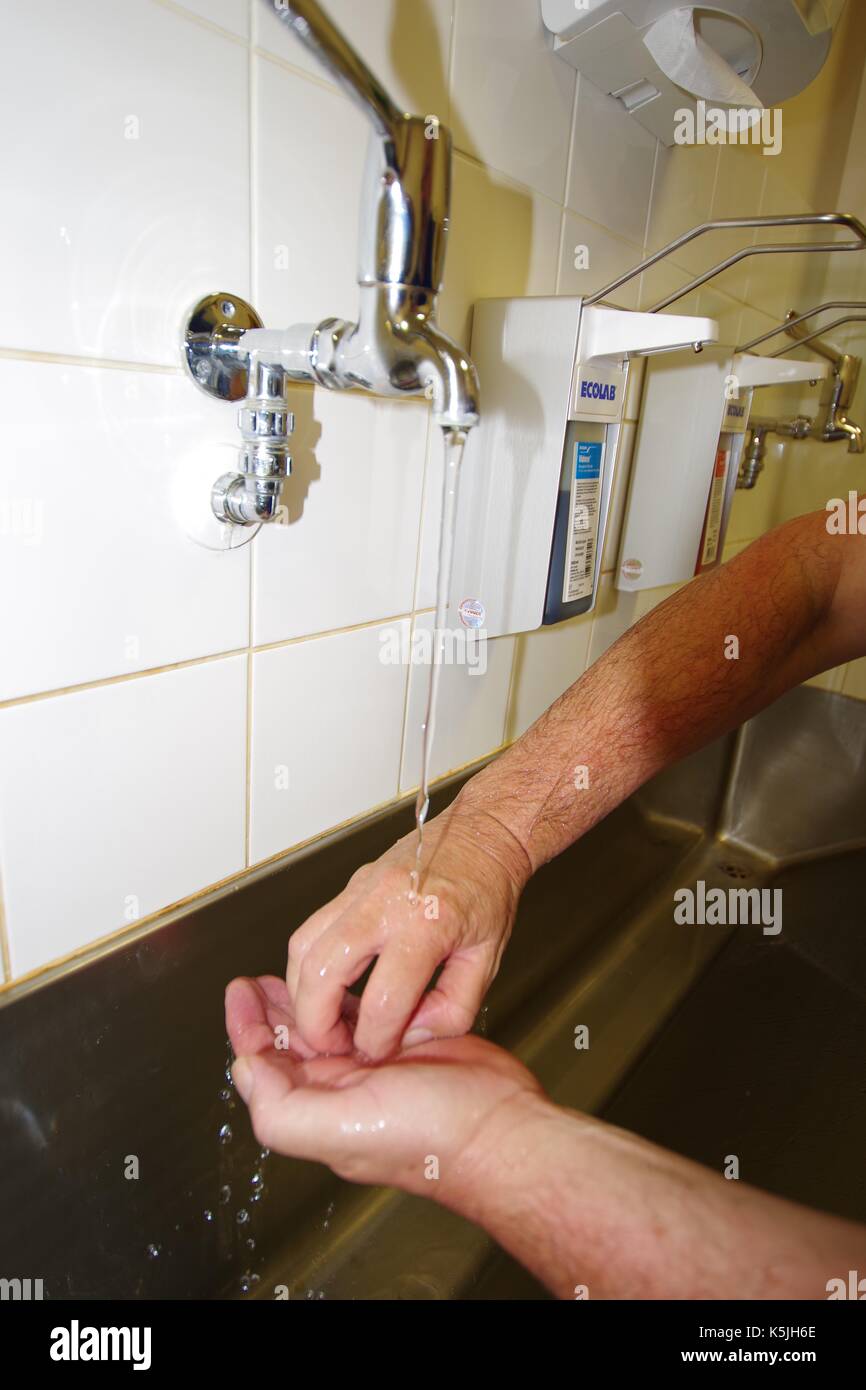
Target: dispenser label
(715, 509)
(599, 393)
(583, 521)
(737, 414)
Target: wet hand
(460, 918)
(419, 1122)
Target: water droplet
(251, 1245)
(225, 1134)
(208, 1216)
(257, 1182)
(225, 1195)
(154, 1252)
(243, 1216)
(226, 1095)
(263, 1154)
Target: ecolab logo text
(598, 390)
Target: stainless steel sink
(713, 1040)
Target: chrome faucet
(396, 347)
(834, 425)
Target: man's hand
(462, 915)
(372, 1124)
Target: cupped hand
(461, 918)
(421, 1122)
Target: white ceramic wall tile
(125, 213)
(405, 43)
(591, 257)
(327, 728)
(612, 158)
(348, 552)
(97, 575)
(233, 15)
(503, 242)
(738, 192)
(682, 198)
(113, 804)
(472, 704)
(308, 157)
(546, 663)
(512, 98)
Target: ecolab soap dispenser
(537, 476)
(693, 422)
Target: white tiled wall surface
(171, 713)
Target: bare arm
(577, 1201)
(597, 1212)
(795, 602)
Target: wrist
(494, 1171)
(474, 818)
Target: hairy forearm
(671, 684)
(596, 1212)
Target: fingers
(391, 994)
(334, 962)
(305, 936)
(450, 1009)
(287, 1114)
(246, 1018)
(258, 1015)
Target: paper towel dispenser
(659, 58)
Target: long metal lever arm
(819, 333)
(311, 25)
(793, 321)
(812, 219)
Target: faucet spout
(843, 428)
(396, 347)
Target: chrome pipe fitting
(252, 494)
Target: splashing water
(455, 441)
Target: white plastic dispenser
(693, 423)
(537, 476)
(659, 57)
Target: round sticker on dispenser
(472, 612)
(632, 569)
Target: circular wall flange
(211, 351)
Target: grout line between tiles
(201, 22)
(127, 676)
(68, 359)
(156, 919)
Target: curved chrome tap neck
(321, 37)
